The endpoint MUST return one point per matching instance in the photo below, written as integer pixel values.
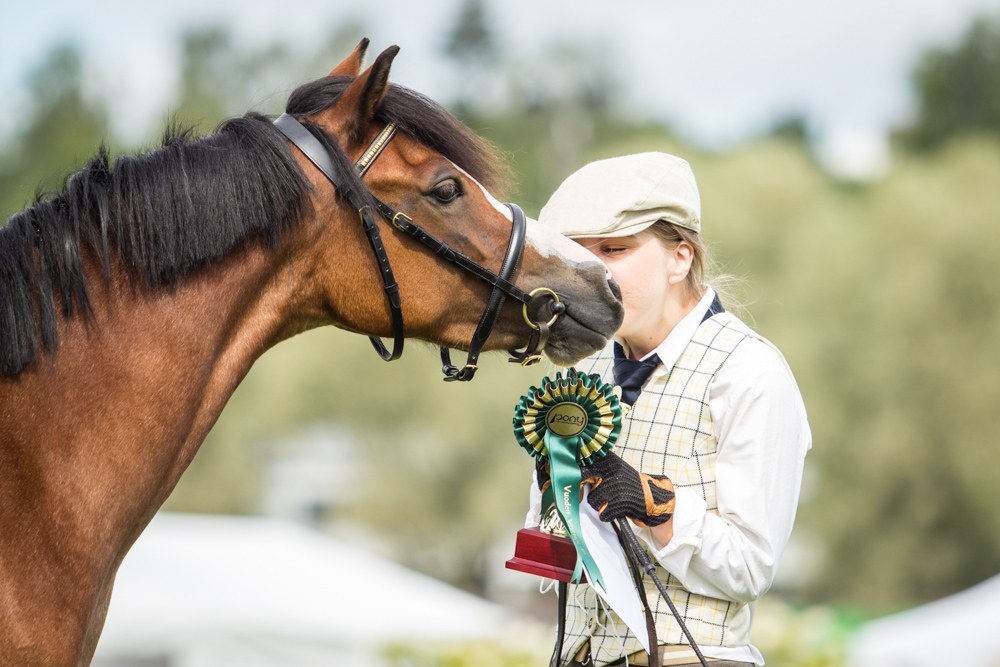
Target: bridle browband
(502, 282)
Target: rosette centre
(566, 419)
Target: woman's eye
(611, 250)
(447, 191)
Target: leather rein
(539, 299)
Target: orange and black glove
(619, 490)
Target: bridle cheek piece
(539, 300)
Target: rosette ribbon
(572, 421)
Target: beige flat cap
(622, 196)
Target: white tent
(962, 629)
(200, 591)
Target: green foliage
(63, 128)
(959, 89)
(912, 383)
(813, 636)
(220, 78)
(467, 654)
(470, 39)
(472, 49)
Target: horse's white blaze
(548, 242)
(545, 241)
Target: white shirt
(763, 435)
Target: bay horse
(133, 303)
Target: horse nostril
(615, 290)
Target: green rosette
(572, 420)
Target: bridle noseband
(540, 299)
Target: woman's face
(647, 272)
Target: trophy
(570, 421)
(545, 551)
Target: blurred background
(848, 156)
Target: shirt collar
(670, 349)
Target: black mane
(165, 214)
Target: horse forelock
(160, 215)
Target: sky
(718, 71)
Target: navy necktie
(630, 375)
(714, 309)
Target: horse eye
(447, 191)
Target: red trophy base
(543, 554)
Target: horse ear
(364, 95)
(352, 63)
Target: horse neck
(115, 416)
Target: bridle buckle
(453, 373)
(397, 225)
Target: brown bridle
(540, 299)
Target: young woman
(708, 464)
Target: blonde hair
(704, 270)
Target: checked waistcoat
(669, 431)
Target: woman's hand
(619, 490)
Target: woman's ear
(682, 255)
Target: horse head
(435, 174)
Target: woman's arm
(763, 435)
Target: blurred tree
(62, 130)
(958, 90)
(471, 46)
(557, 108)
(221, 78)
(794, 127)
(910, 353)
(470, 38)
(210, 71)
